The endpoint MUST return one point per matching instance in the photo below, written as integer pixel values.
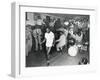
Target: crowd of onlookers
(57, 32)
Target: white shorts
(49, 44)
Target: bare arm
(43, 41)
(74, 36)
(57, 40)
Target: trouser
(37, 35)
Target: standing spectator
(37, 33)
(52, 23)
(58, 24)
(47, 21)
(28, 37)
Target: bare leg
(57, 48)
(48, 56)
(39, 39)
(49, 49)
(61, 48)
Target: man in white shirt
(49, 38)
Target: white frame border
(16, 35)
